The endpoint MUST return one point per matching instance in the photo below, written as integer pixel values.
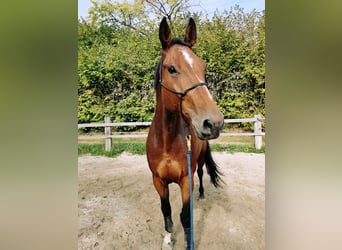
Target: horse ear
(164, 33)
(191, 33)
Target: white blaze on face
(187, 57)
(189, 60)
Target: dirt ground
(120, 209)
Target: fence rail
(257, 119)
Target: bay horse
(184, 106)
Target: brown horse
(184, 107)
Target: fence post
(257, 132)
(108, 141)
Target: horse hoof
(167, 242)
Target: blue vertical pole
(188, 156)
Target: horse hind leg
(200, 177)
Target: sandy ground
(120, 209)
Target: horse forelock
(179, 42)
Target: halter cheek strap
(183, 93)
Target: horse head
(181, 75)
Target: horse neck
(172, 123)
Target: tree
(119, 49)
(172, 9)
(234, 48)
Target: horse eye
(172, 70)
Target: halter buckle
(188, 141)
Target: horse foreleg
(163, 191)
(185, 214)
(185, 219)
(166, 210)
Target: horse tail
(212, 168)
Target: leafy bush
(118, 53)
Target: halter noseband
(181, 93)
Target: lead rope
(188, 156)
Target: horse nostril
(208, 124)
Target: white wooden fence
(257, 119)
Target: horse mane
(174, 41)
(156, 75)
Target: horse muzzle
(209, 128)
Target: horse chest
(170, 168)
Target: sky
(208, 6)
